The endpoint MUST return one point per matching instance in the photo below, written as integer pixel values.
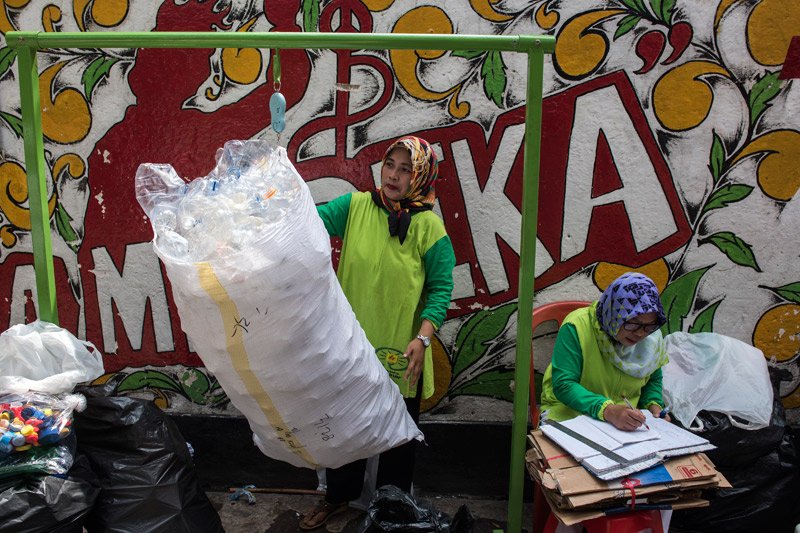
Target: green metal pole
(527, 269)
(37, 184)
(337, 41)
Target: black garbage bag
(144, 467)
(49, 503)
(762, 465)
(394, 510)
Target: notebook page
(626, 437)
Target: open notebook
(609, 453)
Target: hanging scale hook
(277, 103)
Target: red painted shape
(680, 36)
(606, 176)
(791, 67)
(610, 238)
(649, 48)
(67, 304)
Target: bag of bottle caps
(31, 420)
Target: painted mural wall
(670, 146)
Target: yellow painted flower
(66, 117)
(426, 19)
(242, 65)
(779, 166)
(777, 332)
(682, 98)
(545, 17)
(485, 8)
(770, 28)
(13, 202)
(604, 273)
(579, 47)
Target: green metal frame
(29, 43)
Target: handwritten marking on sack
(287, 437)
(241, 362)
(241, 323)
(323, 425)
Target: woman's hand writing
(623, 418)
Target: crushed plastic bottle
(249, 191)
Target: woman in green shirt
(396, 269)
(608, 357)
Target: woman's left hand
(415, 353)
(656, 410)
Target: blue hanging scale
(277, 103)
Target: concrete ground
(280, 513)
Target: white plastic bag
(712, 372)
(43, 357)
(252, 279)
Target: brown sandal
(319, 516)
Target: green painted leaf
(476, 334)
(7, 57)
(656, 6)
(667, 8)
(218, 400)
(762, 92)
(632, 5)
(735, 248)
(148, 379)
(493, 72)
(678, 299)
(494, 384)
(65, 228)
(468, 54)
(195, 385)
(727, 195)
(790, 292)
(626, 24)
(97, 70)
(717, 158)
(310, 15)
(13, 121)
(704, 322)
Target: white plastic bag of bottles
(249, 262)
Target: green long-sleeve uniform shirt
(580, 380)
(392, 287)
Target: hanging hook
(276, 70)
(277, 103)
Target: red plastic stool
(632, 522)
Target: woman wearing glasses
(608, 357)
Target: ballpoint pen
(628, 403)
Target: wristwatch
(426, 341)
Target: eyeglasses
(636, 326)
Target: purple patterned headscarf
(630, 295)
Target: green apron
(384, 282)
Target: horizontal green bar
(335, 41)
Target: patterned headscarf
(421, 194)
(630, 295)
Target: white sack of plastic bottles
(249, 262)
